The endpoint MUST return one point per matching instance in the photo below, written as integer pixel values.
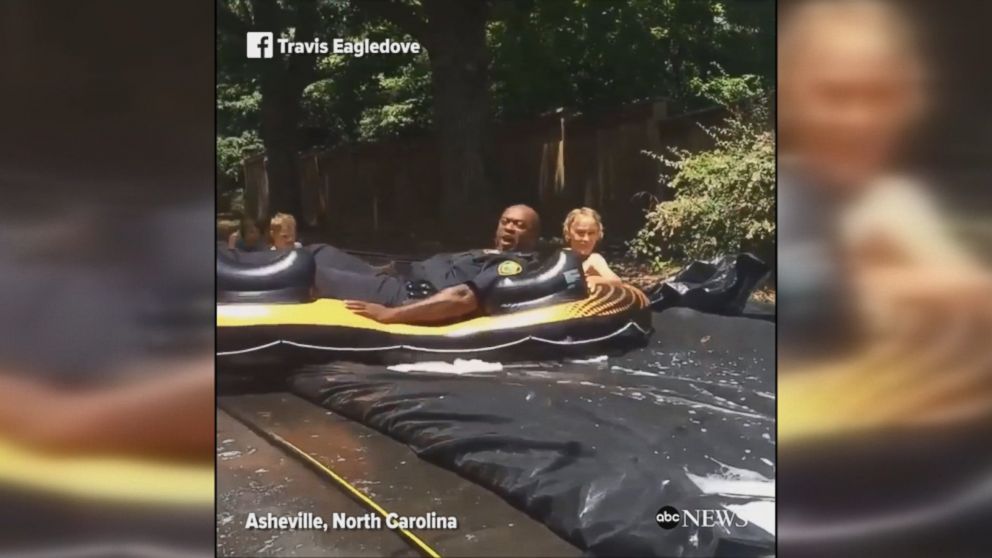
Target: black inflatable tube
(287, 277)
(252, 347)
(264, 276)
(563, 318)
(558, 279)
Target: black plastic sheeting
(42, 524)
(926, 503)
(720, 286)
(594, 449)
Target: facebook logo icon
(259, 44)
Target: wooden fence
(555, 163)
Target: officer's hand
(376, 312)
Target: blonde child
(282, 232)
(583, 230)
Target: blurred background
(885, 368)
(106, 275)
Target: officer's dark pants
(327, 256)
(343, 276)
(382, 289)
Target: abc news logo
(670, 518)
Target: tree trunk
(280, 138)
(282, 81)
(459, 69)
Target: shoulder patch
(508, 268)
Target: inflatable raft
(266, 315)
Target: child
(583, 229)
(248, 237)
(282, 232)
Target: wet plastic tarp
(51, 524)
(720, 286)
(594, 449)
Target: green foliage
(726, 90)
(231, 150)
(582, 54)
(591, 55)
(402, 102)
(238, 106)
(724, 197)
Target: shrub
(231, 150)
(724, 197)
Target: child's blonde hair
(280, 221)
(583, 212)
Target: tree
(280, 81)
(724, 196)
(592, 56)
(454, 34)
(485, 60)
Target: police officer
(456, 283)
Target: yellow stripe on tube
(107, 479)
(329, 312)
